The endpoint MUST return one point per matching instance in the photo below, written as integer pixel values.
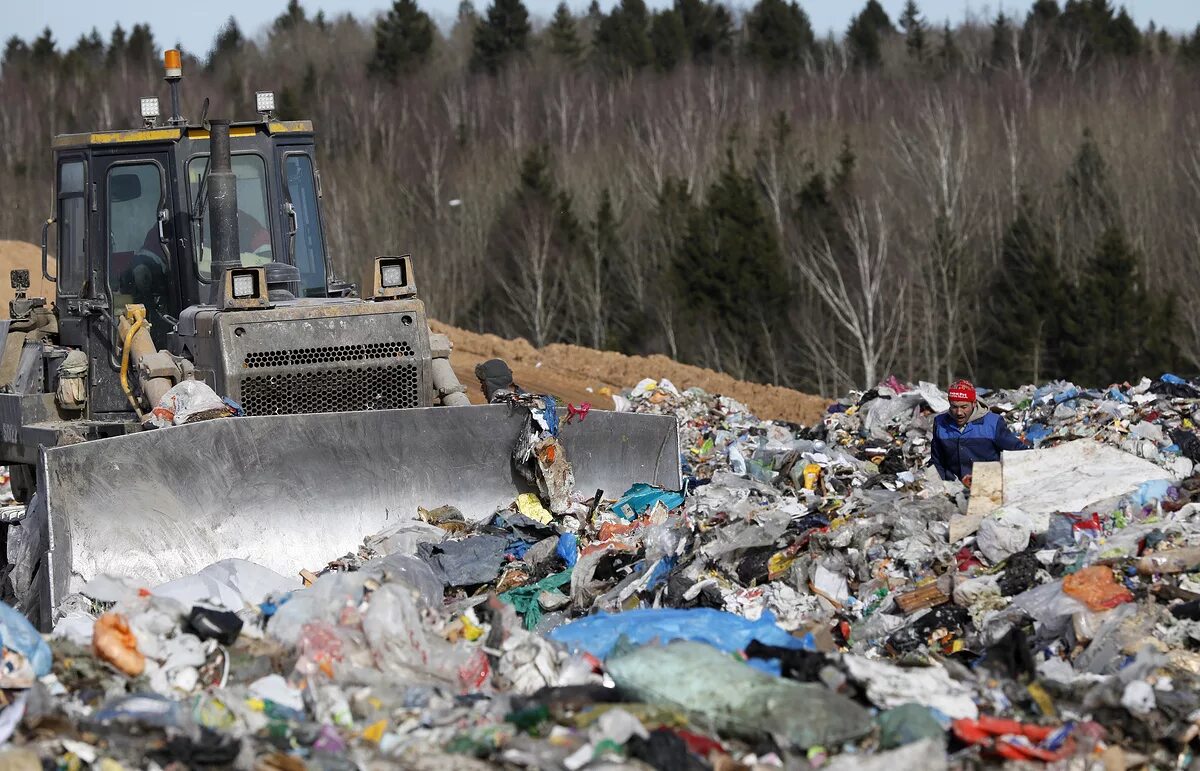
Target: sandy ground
(20, 254)
(571, 372)
(579, 374)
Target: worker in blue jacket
(968, 433)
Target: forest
(1012, 199)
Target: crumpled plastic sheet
(599, 634)
(891, 686)
(473, 560)
(234, 584)
(736, 698)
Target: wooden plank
(987, 494)
(925, 597)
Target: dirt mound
(15, 255)
(578, 374)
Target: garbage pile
(811, 598)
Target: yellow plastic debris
(529, 505)
(471, 631)
(374, 732)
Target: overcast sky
(195, 23)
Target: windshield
(254, 237)
(310, 249)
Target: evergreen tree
(1189, 47)
(708, 28)
(503, 34)
(914, 30)
(1002, 42)
(141, 49)
(1123, 38)
(949, 57)
(226, 45)
(16, 56)
(729, 267)
(778, 34)
(669, 40)
(1091, 199)
(1104, 30)
(291, 18)
(622, 37)
(44, 53)
(403, 40)
(1115, 330)
(874, 16)
(864, 37)
(1024, 302)
(1043, 12)
(116, 46)
(562, 37)
(87, 55)
(536, 199)
(615, 307)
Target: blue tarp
(725, 631)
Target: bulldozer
(196, 252)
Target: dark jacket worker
(968, 433)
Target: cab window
(310, 248)
(254, 238)
(72, 224)
(138, 270)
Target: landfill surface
(799, 604)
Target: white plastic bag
(186, 401)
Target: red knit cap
(962, 391)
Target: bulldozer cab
(132, 227)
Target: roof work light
(149, 110)
(264, 102)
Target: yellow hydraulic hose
(136, 314)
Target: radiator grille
(332, 390)
(325, 355)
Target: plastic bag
(19, 636)
(529, 505)
(188, 402)
(725, 631)
(730, 696)
(525, 598)
(890, 686)
(643, 496)
(113, 642)
(1096, 588)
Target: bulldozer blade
(293, 491)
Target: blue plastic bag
(1035, 433)
(1149, 492)
(643, 496)
(17, 634)
(728, 632)
(568, 549)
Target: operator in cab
(968, 433)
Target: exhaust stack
(222, 204)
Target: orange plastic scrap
(610, 530)
(1096, 588)
(113, 642)
(1012, 740)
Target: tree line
(1010, 199)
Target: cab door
(135, 264)
(301, 217)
